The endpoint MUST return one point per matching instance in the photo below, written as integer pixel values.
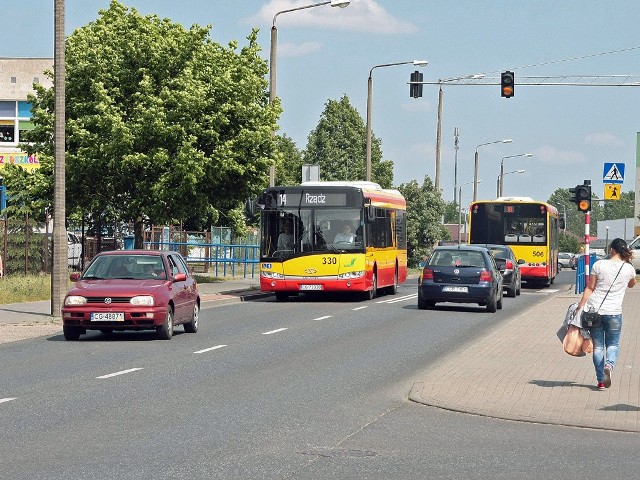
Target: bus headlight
(272, 275)
(348, 275)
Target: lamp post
(606, 242)
(498, 180)
(273, 54)
(274, 40)
(460, 206)
(502, 168)
(417, 63)
(475, 169)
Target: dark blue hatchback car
(461, 274)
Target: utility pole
(456, 145)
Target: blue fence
(216, 258)
(581, 277)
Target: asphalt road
(307, 389)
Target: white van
(635, 248)
(74, 248)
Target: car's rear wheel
(519, 287)
(71, 333)
(165, 331)
(492, 304)
(512, 291)
(192, 325)
(499, 301)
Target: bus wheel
(282, 296)
(371, 294)
(393, 289)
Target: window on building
(7, 131)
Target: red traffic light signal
(507, 83)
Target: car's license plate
(107, 317)
(455, 289)
(310, 287)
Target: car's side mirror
(521, 261)
(74, 277)
(179, 277)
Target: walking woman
(604, 293)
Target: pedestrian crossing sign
(613, 173)
(612, 191)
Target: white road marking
(3, 400)
(275, 331)
(358, 308)
(119, 373)
(323, 318)
(211, 348)
(399, 299)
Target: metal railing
(221, 259)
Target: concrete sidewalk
(519, 371)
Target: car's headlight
(75, 300)
(345, 276)
(142, 300)
(272, 275)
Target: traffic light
(507, 83)
(583, 196)
(572, 191)
(415, 89)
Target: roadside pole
(587, 224)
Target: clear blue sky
(326, 52)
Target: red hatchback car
(132, 290)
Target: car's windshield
(457, 258)
(126, 267)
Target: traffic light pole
(587, 225)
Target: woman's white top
(606, 271)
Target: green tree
(451, 212)
(425, 208)
(338, 145)
(289, 161)
(623, 208)
(163, 124)
(568, 242)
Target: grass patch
(29, 288)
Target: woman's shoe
(601, 386)
(607, 376)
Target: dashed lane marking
(275, 331)
(210, 348)
(119, 373)
(358, 308)
(399, 299)
(322, 318)
(3, 400)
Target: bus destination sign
(311, 199)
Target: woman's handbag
(591, 318)
(573, 341)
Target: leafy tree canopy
(339, 145)
(162, 122)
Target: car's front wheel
(192, 325)
(71, 333)
(165, 331)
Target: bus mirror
(371, 213)
(250, 209)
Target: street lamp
(273, 51)
(459, 206)
(498, 180)
(502, 168)
(606, 241)
(475, 170)
(274, 40)
(417, 63)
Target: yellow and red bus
(528, 226)
(332, 237)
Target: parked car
(74, 251)
(461, 274)
(567, 260)
(508, 265)
(132, 290)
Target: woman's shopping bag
(573, 341)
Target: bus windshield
(294, 231)
(508, 223)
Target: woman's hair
(621, 248)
